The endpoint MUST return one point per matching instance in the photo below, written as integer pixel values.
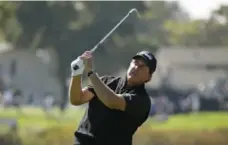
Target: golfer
(117, 106)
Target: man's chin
(130, 77)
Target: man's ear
(150, 77)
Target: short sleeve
(137, 104)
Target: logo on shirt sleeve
(129, 96)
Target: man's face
(138, 71)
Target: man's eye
(142, 66)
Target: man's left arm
(131, 103)
(107, 96)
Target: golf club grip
(95, 47)
(76, 67)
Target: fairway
(203, 120)
(36, 118)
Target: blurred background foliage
(71, 27)
(68, 28)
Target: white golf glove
(77, 67)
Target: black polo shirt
(103, 126)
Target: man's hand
(87, 58)
(78, 95)
(77, 62)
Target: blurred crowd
(209, 96)
(13, 96)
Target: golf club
(117, 25)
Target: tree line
(71, 27)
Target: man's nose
(136, 67)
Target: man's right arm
(79, 95)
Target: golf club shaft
(106, 36)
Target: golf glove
(77, 67)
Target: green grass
(37, 119)
(34, 124)
(203, 120)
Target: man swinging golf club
(117, 106)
